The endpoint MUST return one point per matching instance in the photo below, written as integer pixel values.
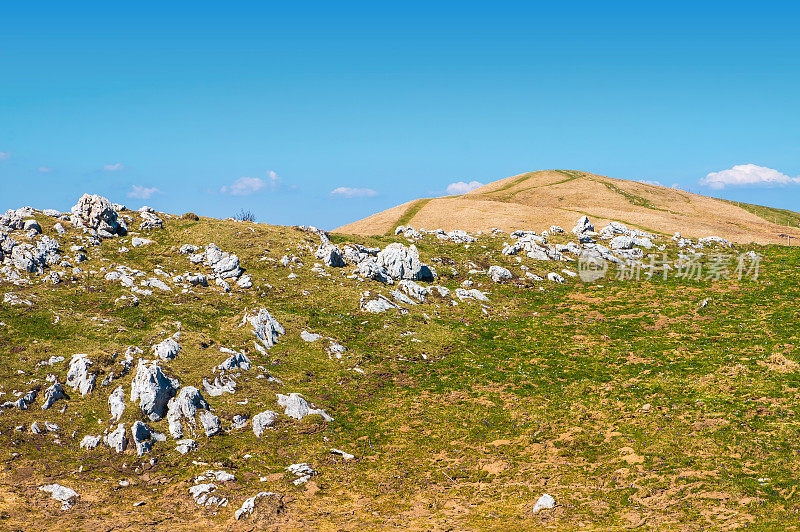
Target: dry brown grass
(540, 199)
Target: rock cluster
(97, 214)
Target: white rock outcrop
(66, 496)
(297, 407)
(97, 213)
(262, 421)
(78, 376)
(152, 390)
(401, 262)
(265, 327)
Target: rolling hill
(537, 200)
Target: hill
(537, 200)
(167, 372)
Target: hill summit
(536, 200)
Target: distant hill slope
(537, 200)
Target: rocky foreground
(168, 371)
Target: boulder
(66, 496)
(167, 350)
(498, 273)
(544, 502)
(258, 502)
(377, 304)
(186, 445)
(142, 437)
(237, 360)
(211, 423)
(96, 212)
(297, 407)
(116, 403)
(463, 293)
(184, 405)
(401, 262)
(583, 225)
(53, 394)
(262, 421)
(265, 327)
(370, 269)
(90, 442)
(152, 389)
(225, 265)
(414, 290)
(117, 439)
(78, 376)
(331, 256)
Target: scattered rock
(297, 407)
(186, 445)
(498, 273)
(256, 502)
(211, 423)
(152, 389)
(167, 350)
(265, 327)
(237, 360)
(263, 420)
(66, 496)
(117, 439)
(401, 262)
(53, 394)
(544, 502)
(116, 403)
(331, 256)
(78, 376)
(142, 437)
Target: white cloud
(651, 182)
(460, 187)
(113, 167)
(244, 186)
(140, 192)
(44, 169)
(348, 192)
(748, 174)
(5, 155)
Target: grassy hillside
(625, 400)
(782, 217)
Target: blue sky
(323, 114)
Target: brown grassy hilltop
(537, 200)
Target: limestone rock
(152, 389)
(257, 501)
(116, 403)
(265, 327)
(331, 256)
(297, 407)
(78, 376)
(498, 273)
(96, 212)
(53, 394)
(262, 421)
(402, 262)
(117, 439)
(66, 496)
(167, 350)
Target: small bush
(245, 216)
(190, 216)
